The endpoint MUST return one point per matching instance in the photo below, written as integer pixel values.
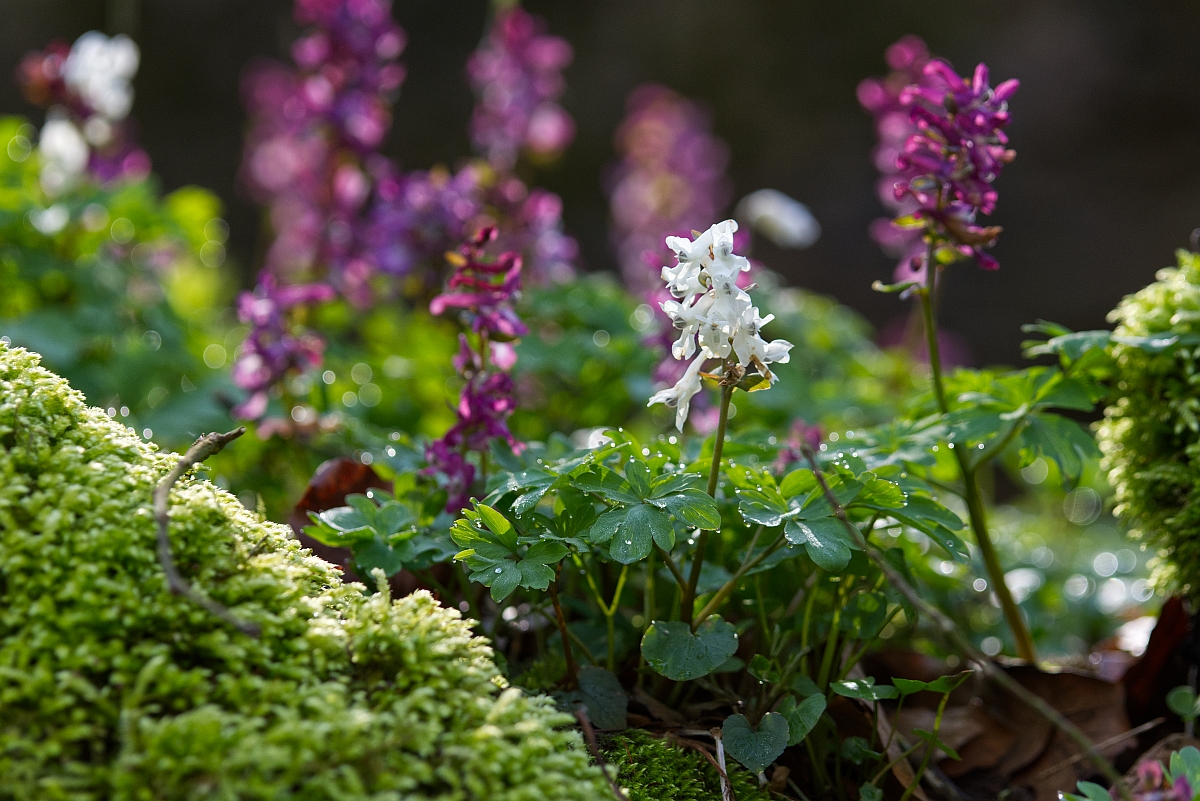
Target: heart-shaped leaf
(802, 717)
(674, 651)
(755, 749)
(604, 697)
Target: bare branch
(205, 447)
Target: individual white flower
(713, 314)
(680, 395)
(100, 70)
(63, 153)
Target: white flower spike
(713, 314)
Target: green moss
(651, 769)
(111, 688)
(1150, 436)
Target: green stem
(831, 643)
(687, 600)
(560, 618)
(715, 602)
(930, 748)
(975, 507)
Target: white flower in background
(63, 152)
(100, 69)
(784, 220)
(713, 314)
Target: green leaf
(378, 554)
(798, 482)
(948, 684)
(881, 494)
(1181, 701)
(392, 517)
(1187, 760)
(857, 750)
(863, 688)
(674, 651)
(606, 525)
(503, 577)
(606, 483)
(765, 507)
(909, 686)
(638, 476)
(869, 792)
(817, 505)
(693, 507)
(1060, 439)
(936, 744)
(1094, 792)
(640, 528)
(365, 506)
(864, 615)
(343, 518)
(546, 552)
(760, 668)
(826, 541)
(802, 717)
(498, 524)
(605, 699)
(755, 749)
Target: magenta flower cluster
(482, 291)
(951, 158)
(1155, 784)
(341, 212)
(517, 77)
(272, 348)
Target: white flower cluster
(713, 314)
(99, 70)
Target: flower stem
(975, 507)
(560, 618)
(687, 600)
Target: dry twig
(205, 447)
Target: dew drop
(629, 542)
(499, 570)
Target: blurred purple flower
(273, 347)
(517, 77)
(670, 180)
(314, 130)
(802, 434)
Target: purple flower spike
(272, 347)
(942, 146)
(484, 289)
(517, 77)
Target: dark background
(1106, 183)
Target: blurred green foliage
(117, 289)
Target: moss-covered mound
(1150, 436)
(111, 688)
(651, 769)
